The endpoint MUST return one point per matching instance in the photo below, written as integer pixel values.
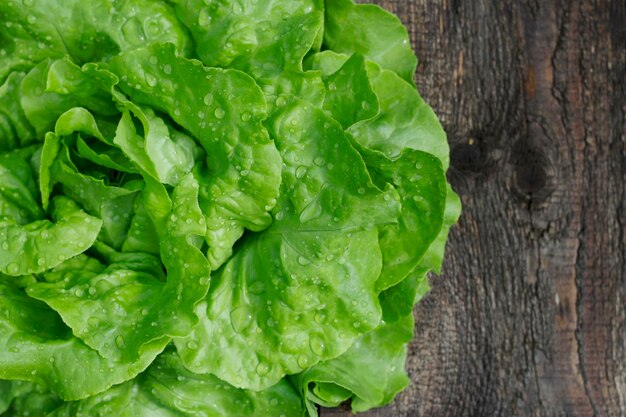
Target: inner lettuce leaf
(53, 87)
(267, 39)
(224, 208)
(128, 309)
(223, 110)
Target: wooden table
(529, 317)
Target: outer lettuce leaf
(18, 189)
(418, 176)
(110, 310)
(26, 399)
(131, 311)
(370, 373)
(398, 301)
(37, 30)
(404, 120)
(41, 245)
(421, 183)
(223, 110)
(303, 290)
(369, 30)
(35, 345)
(433, 258)
(167, 389)
(15, 130)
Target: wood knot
(532, 174)
(469, 156)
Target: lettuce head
(211, 208)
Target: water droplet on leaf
(241, 318)
(119, 342)
(317, 345)
(219, 113)
(262, 369)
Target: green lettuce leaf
(398, 301)
(223, 112)
(6, 395)
(166, 155)
(349, 96)
(25, 399)
(167, 389)
(419, 176)
(15, 130)
(267, 39)
(43, 244)
(37, 30)
(304, 289)
(371, 31)
(36, 346)
(131, 311)
(55, 86)
(90, 189)
(142, 235)
(403, 121)
(18, 189)
(421, 183)
(433, 258)
(258, 37)
(9, 390)
(370, 373)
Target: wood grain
(529, 317)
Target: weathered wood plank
(529, 317)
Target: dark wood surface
(529, 317)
